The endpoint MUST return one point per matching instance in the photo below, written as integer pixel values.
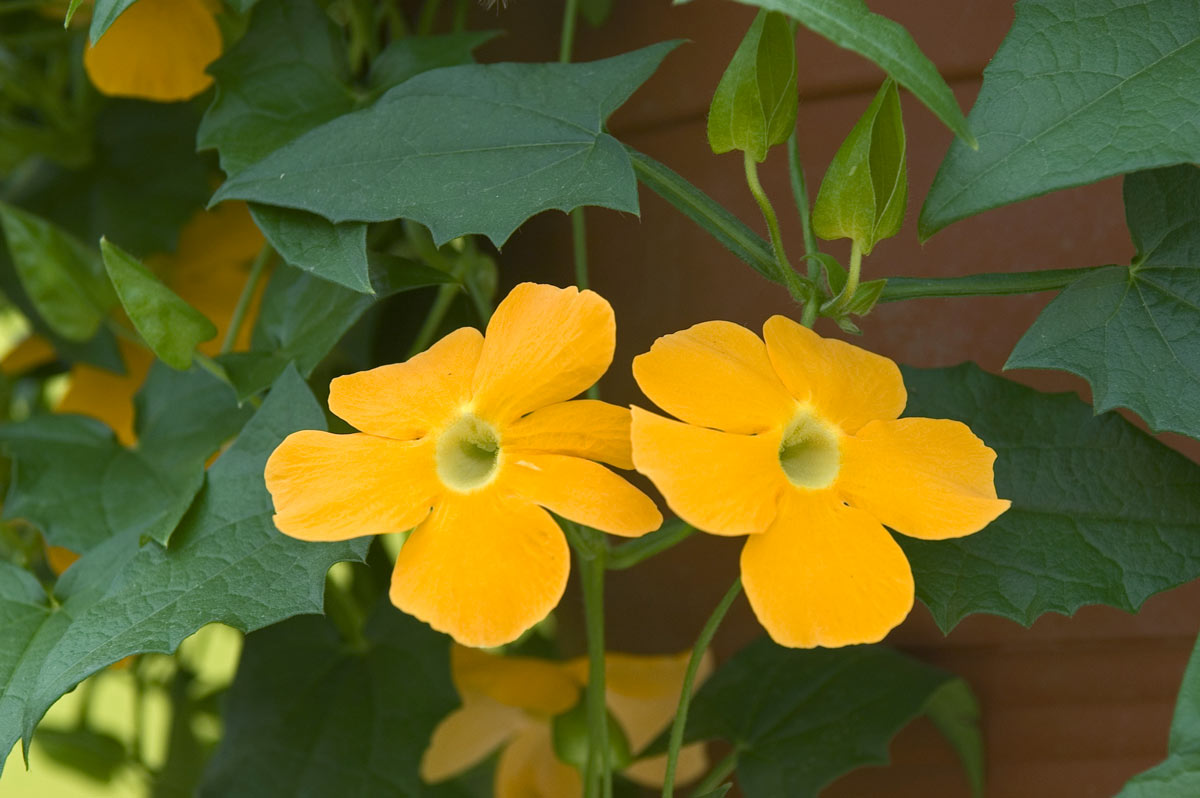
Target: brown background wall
(1072, 707)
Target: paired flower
(471, 442)
(157, 50)
(208, 270)
(521, 705)
(797, 443)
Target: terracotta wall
(1072, 707)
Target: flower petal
(825, 574)
(582, 491)
(101, 394)
(928, 478)
(156, 50)
(716, 374)
(543, 345)
(528, 768)
(467, 735)
(538, 686)
(584, 428)
(719, 482)
(482, 568)
(31, 352)
(652, 771)
(846, 384)
(407, 400)
(337, 487)
(643, 691)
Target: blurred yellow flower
(468, 442)
(208, 270)
(156, 50)
(798, 444)
(509, 703)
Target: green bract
(865, 190)
(754, 107)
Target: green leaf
(719, 792)
(303, 317)
(1077, 92)
(104, 14)
(754, 107)
(1178, 776)
(144, 181)
(865, 189)
(1130, 331)
(285, 76)
(410, 56)
(62, 278)
(850, 24)
(226, 563)
(466, 149)
(866, 297)
(170, 327)
(81, 487)
(336, 252)
(954, 709)
(302, 696)
(801, 718)
(1102, 513)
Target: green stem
(800, 194)
(787, 276)
(637, 550)
(345, 613)
(428, 17)
(460, 15)
(854, 273)
(579, 247)
(689, 679)
(257, 269)
(566, 42)
(437, 311)
(717, 774)
(598, 776)
(1002, 284)
(211, 366)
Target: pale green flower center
(809, 451)
(467, 454)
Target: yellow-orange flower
(509, 703)
(208, 270)
(798, 444)
(156, 50)
(468, 442)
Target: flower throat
(467, 454)
(809, 452)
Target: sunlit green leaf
(801, 718)
(171, 327)
(226, 563)
(754, 107)
(850, 24)
(865, 190)
(466, 149)
(1131, 331)
(1102, 513)
(1077, 92)
(81, 487)
(303, 696)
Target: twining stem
(800, 194)
(689, 679)
(902, 288)
(717, 774)
(855, 271)
(257, 269)
(637, 550)
(598, 775)
(786, 276)
(567, 41)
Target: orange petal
(719, 482)
(31, 352)
(101, 394)
(715, 374)
(156, 50)
(847, 385)
(336, 487)
(643, 691)
(584, 428)
(482, 568)
(528, 768)
(928, 478)
(825, 574)
(467, 735)
(543, 345)
(652, 771)
(582, 491)
(60, 559)
(539, 686)
(407, 400)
